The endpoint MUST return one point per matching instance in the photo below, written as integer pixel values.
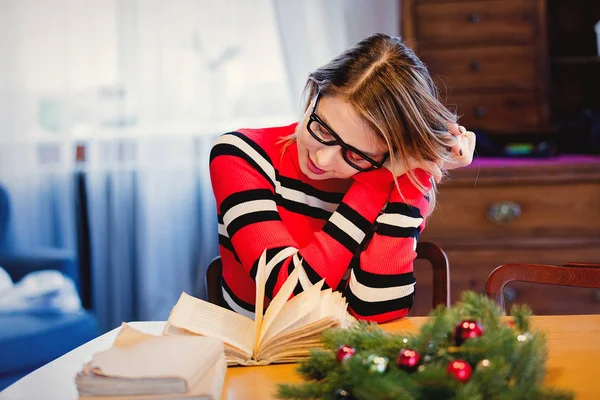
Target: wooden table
(573, 344)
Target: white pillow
(46, 291)
(5, 280)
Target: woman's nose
(326, 155)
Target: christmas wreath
(464, 352)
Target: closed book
(142, 366)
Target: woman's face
(319, 161)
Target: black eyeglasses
(325, 135)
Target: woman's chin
(321, 177)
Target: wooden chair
(425, 250)
(570, 274)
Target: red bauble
(408, 360)
(461, 370)
(344, 352)
(467, 329)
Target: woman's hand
(398, 169)
(462, 155)
(462, 151)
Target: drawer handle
(474, 18)
(503, 212)
(479, 111)
(475, 66)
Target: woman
(346, 190)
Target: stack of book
(200, 339)
(142, 366)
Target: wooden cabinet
(503, 64)
(520, 71)
(488, 57)
(491, 213)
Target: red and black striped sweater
(362, 225)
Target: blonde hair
(390, 87)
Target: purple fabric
(492, 162)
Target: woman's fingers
(457, 131)
(399, 168)
(454, 129)
(462, 155)
(466, 144)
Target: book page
(284, 292)
(323, 309)
(330, 311)
(293, 310)
(299, 348)
(289, 340)
(260, 298)
(203, 318)
(277, 303)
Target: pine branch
(303, 391)
(521, 314)
(506, 363)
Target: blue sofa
(29, 340)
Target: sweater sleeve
(245, 185)
(381, 286)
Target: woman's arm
(381, 284)
(245, 187)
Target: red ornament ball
(460, 370)
(408, 360)
(344, 352)
(467, 329)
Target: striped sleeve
(247, 189)
(382, 285)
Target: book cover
(140, 365)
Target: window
(101, 67)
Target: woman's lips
(313, 168)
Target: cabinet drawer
(478, 69)
(516, 211)
(510, 112)
(509, 21)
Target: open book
(142, 366)
(284, 333)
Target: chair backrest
(425, 250)
(570, 274)
(441, 271)
(212, 287)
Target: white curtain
(138, 90)
(152, 223)
(43, 66)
